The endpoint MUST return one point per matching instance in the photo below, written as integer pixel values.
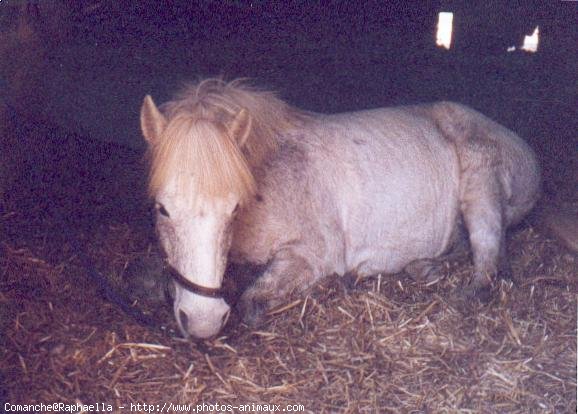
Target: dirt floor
(384, 344)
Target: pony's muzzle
(200, 317)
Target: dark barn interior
(77, 232)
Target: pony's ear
(152, 121)
(240, 127)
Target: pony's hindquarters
(486, 147)
(499, 183)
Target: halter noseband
(217, 293)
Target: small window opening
(531, 42)
(444, 32)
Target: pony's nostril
(184, 320)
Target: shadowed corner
(3, 391)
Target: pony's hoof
(481, 293)
(252, 310)
(349, 281)
(470, 298)
(424, 270)
(505, 273)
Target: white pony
(238, 175)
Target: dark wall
(101, 58)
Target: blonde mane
(197, 147)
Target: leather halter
(217, 293)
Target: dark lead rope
(106, 288)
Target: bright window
(444, 33)
(531, 42)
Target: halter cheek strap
(217, 293)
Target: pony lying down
(240, 176)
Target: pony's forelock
(196, 148)
(203, 159)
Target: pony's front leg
(287, 273)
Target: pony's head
(203, 147)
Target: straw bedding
(384, 344)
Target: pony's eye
(162, 210)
